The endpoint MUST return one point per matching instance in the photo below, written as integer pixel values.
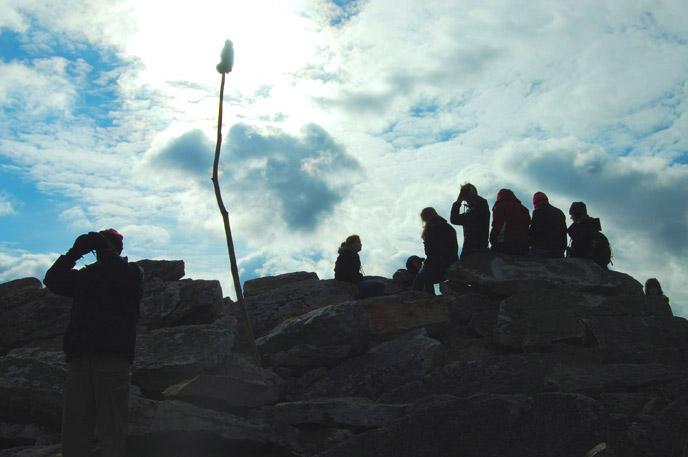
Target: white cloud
(15, 264)
(6, 207)
(585, 102)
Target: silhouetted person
(510, 224)
(547, 229)
(582, 231)
(653, 288)
(475, 220)
(99, 342)
(441, 248)
(406, 276)
(348, 268)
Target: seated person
(405, 277)
(653, 288)
(348, 268)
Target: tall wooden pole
(228, 230)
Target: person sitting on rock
(510, 222)
(653, 288)
(547, 229)
(475, 220)
(441, 250)
(582, 231)
(347, 268)
(405, 277)
(99, 343)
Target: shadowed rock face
(520, 356)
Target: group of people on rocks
(513, 231)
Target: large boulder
(597, 379)
(12, 435)
(353, 412)
(482, 373)
(179, 428)
(267, 309)
(506, 275)
(189, 301)
(224, 392)
(53, 450)
(166, 270)
(381, 369)
(326, 335)
(545, 425)
(31, 383)
(167, 356)
(259, 286)
(31, 315)
(665, 433)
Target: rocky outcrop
(520, 356)
(170, 303)
(274, 305)
(31, 315)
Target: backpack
(601, 251)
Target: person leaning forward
(99, 342)
(475, 220)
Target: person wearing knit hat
(547, 234)
(99, 342)
(582, 231)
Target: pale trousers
(96, 405)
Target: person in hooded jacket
(99, 342)
(510, 224)
(441, 250)
(654, 289)
(475, 220)
(547, 228)
(582, 231)
(348, 268)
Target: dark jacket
(548, 229)
(348, 266)
(510, 224)
(476, 224)
(105, 308)
(441, 247)
(582, 234)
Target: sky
(340, 117)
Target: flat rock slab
(166, 270)
(31, 383)
(598, 379)
(165, 357)
(30, 314)
(546, 425)
(53, 450)
(259, 286)
(381, 369)
(225, 392)
(185, 302)
(353, 412)
(487, 374)
(506, 275)
(179, 428)
(268, 309)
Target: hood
(506, 195)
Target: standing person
(653, 288)
(347, 268)
(441, 250)
(99, 342)
(547, 228)
(510, 222)
(475, 220)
